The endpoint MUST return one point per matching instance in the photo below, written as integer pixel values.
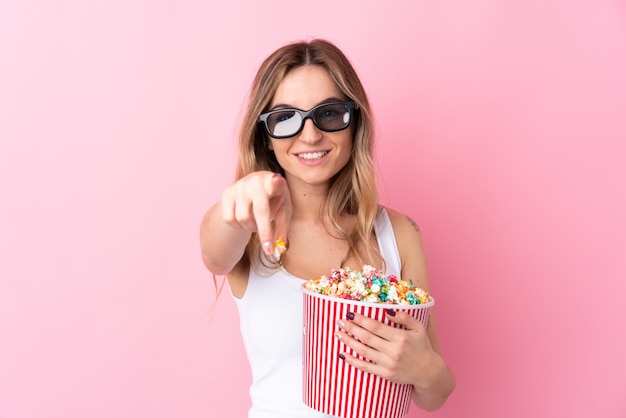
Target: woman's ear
(270, 146)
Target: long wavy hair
(353, 189)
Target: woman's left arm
(411, 355)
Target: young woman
(305, 173)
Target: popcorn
(370, 285)
(280, 246)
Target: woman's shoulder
(402, 224)
(409, 241)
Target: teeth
(312, 155)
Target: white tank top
(270, 315)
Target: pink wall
(501, 130)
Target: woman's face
(312, 156)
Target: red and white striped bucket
(332, 386)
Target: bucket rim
(395, 306)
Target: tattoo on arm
(412, 222)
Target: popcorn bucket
(332, 386)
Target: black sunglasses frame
(307, 114)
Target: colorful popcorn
(370, 285)
(280, 246)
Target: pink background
(501, 131)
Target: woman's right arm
(222, 245)
(250, 205)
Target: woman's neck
(308, 200)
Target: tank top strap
(387, 243)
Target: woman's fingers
(259, 203)
(403, 318)
(369, 325)
(368, 366)
(228, 208)
(389, 352)
(261, 212)
(366, 336)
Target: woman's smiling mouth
(309, 156)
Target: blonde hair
(353, 189)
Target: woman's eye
(281, 117)
(330, 114)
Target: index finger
(280, 205)
(275, 188)
(261, 211)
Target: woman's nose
(310, 133)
